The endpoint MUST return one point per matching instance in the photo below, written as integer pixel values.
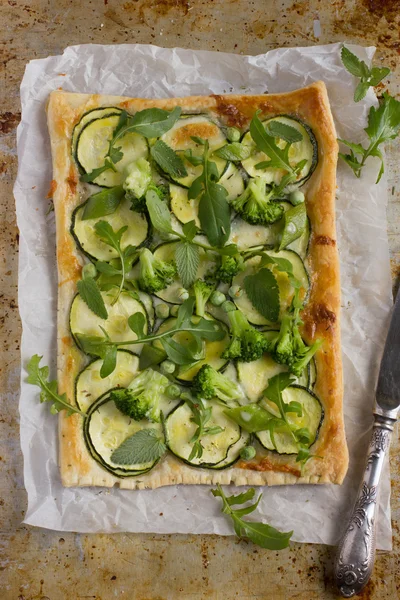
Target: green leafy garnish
(187, 259)
(202, 329)
(144, 446)
(168, 160)
(234, 152)
(159, 213)
(103, 203)
(261, 534)
(358, 68)
(383, 125)
(200, 417)
(113, 239)
(214, 212)
(49, 390)
(90, 177)
(295, 223)
(91, 295)
(283, 131)
(263, 292)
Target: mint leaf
(144, 446)
(159, 213)
(90, 177)
(263, 292)
(234, 152)
(190, 230)
(109, 361)
(261, 534)
(154, 122)
(214, 214)
(187, 259)
(103, 203)
(49, 390)
(168, 160)
(283, 131)
(360, 91)
(91, 295)
(358, 68)
(351, 62)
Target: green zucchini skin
(120, 472)
(316, 430)
(144, 243)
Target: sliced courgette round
(179, 138)
(84, 321)
(306, 149)
(311, 419)
(232, 181)
(312, 373)
(91, 115)
(233, 452)
(90, 243)
(212, 350)
(89, 385)
(93, 145)
(106, 428)
(179, 431)
(147, 302)
(166, 252)
(286, 290)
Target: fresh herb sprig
(91, 295)
(168, 160)
(358, 68)
(214, 212)
(383, 125)
(261, 534)
(104, 347)
(90, 177)
(144, 446)
(39, 376)
(200, 417)
(126, 255)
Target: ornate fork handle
(356, 552)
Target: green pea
(217, 298)
(173, 391)
(174, 310)
(228, 306)
(296, 197)
(167, 367)
(233, 134)
(247, 453)
(162, 311)
(89, 270)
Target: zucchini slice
(312, 373)
(311, 419)
(83, 320)
(285, 288)
(179, 138)
(233, 452)
(91, 115)
(166, 252)
(179, 430)
(147, 302)
(187, 210)
(247, 236)
(106, 428)
(306, 149)
(91, 245)
(212, 350)
(93, 144)
(89, 385)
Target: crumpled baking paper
(315, 513)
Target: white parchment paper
(315, 513)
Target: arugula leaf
(234, 152)
(190, 230)
(187, 259)
(168, 160)
(103, 203)
(144, 446)
(159, 213)
(91, 295)
(90, 177)
(49, 390)
(178, 354)
(358, 68)
(261, 534)
(137, 322)
(283, 131)
(113, 239)
(265, 142)
(214, 212)
(263, 292)
(383, 125)
(150, 356)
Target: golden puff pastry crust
(321, 316)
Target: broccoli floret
(162, 190)
(202, 292)
(155, 274)
(287, 347)
(229, 267)
(141, 399)
(208, 383)
(254, 205)
(247, 343)
(138, 178)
